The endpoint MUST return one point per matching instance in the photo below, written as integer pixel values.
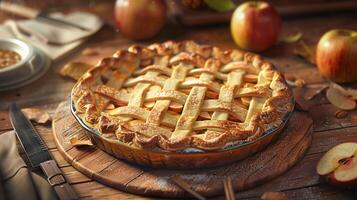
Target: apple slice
(352, 93)
(205, 115)
(339, 99)
(149, 105)
(339, 164)
(330, 161)
(110, 106)
(246, 100)
(176, 107)
(347, 92)
(348, 171)
(250, 78)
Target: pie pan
(188, 159)
(182, 104)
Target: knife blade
(35, 148)
(35, 14)
(38, 154)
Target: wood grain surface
(257, 169)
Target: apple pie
(178, 95)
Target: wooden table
(300, 182)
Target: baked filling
(178, 95)
(8, 58)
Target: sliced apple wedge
(348, 170)
(339, 99)
(339, 165)
(352, 93)
(176, 107)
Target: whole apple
(255, 26)
(140, 19)
(336, 55)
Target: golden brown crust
(179, 95)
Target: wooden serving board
(257, 169)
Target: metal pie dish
(32, 63)
(189, 158)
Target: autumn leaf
(313, 90)
(37, 115)
(77, 142)
(74, 70)
(291, 38)
(306, 51)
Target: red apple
(255, 26)
(140, 19)
(336, 55)
(339, 165)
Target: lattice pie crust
(178, 95)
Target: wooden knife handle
(19, 9)
(56, 179)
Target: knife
(38, 154)
(35, 14)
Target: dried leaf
(340, 100)
(37, 115)
(301, 103)
(291, 38)
(76, 142)
(274, 196)
(75, 70)
(313, 90)
(308, 52)
(89, 52)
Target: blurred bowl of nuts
(8, 58)
(19, 63)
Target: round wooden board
(254, 170)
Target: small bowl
(22, 70)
